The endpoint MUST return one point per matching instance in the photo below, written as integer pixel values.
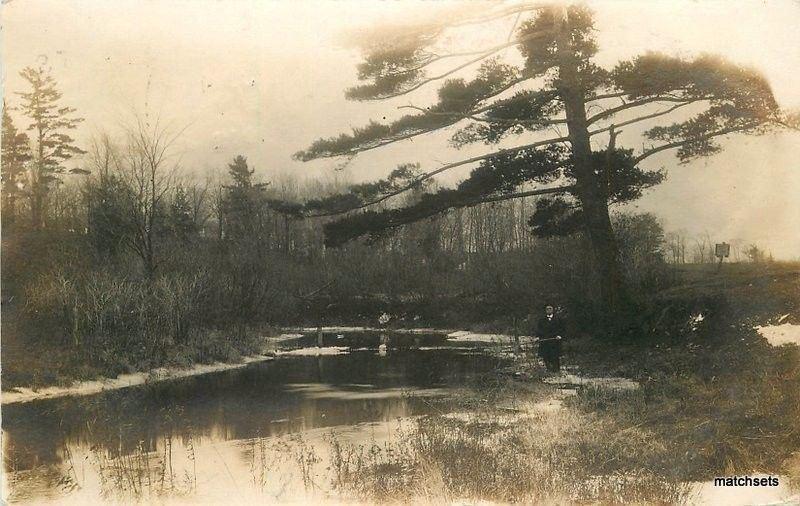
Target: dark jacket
(548, 328)
(550, 348)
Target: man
(549, 331)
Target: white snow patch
(614, 383)
(82, 388)
(458, 333)
(467, 336)
(778, 335)
(461, 416)
(314, 351)
(696, 320)
(425, 330)
(452, 348)
(355, 392)
(284, 337)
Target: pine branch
(386, 142)
(428, 175)
(684, 142)
(528, 193)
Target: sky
(266, 78)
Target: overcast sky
(266, 78)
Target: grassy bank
(35, 362)
(715, 399)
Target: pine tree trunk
(10, 211)
(590, 192)
(38, 186)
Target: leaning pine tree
(688, 104)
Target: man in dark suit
(549, 331)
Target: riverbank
(270, 348)
(82, 388)
(777, 335)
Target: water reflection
(127, 436)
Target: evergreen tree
(16, 153)
(559, 84)
(108, 200)
(181, 220)
(53, 146)
(243, 202)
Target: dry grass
(539, 456)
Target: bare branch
(485, 54)
(517, 9)
(513, 27)
(640, 118)
(605, 96)
(644, 101)
(529, 193)
(435, 58)
(471, 115)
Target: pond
(245, 434)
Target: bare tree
(756, 254)
(703, 249)
(676, 244)
(148, 167)
(736, 249)
(198, 196)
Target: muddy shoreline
(273, 347)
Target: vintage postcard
(462, 252)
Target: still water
(256, 433)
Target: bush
(123, 324)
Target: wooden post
(721, 250)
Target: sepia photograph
(390, 252)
